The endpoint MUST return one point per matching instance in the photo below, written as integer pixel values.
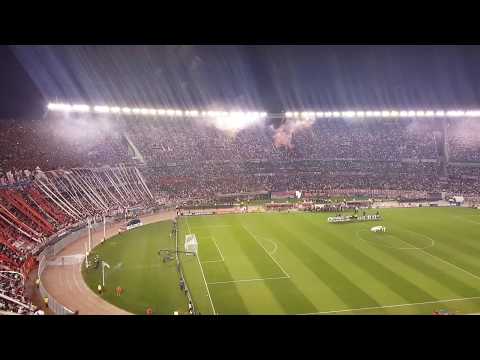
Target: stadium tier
(55, 174)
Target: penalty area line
(393, 306)
(221, 255)
(270, 255)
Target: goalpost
(191, 244)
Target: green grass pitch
(280, 263)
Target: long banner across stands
(373, 193)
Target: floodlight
(102, 109)
(126, 110)
(115, 110)
(336, 114)
(81, 108)
(348, 114)
(472, 113)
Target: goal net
(191, 244)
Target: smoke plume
(284, 133)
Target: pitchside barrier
(53, 250)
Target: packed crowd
(189, 140)
(11, 286)
(464, 140)
(194, 180)
(192, 160)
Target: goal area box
(191, 243)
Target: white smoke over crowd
(283, 134)
(232, 124)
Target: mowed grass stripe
(255, 296)
(235, 303)
(285, 291)
(307, 281)
(431, 276)
(375, 276)
(240, 248)
(237, 244)
(427, 270)
(451, 248)
(446, 247)
(330, 273)
(240, 259)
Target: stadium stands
(54, 174)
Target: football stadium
(126, 203)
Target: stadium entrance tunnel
(396, 238)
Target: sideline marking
(393, 306)
(203, 274)
(221, 255)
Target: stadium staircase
(19, 203)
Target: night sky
(271, 78)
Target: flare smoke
(284, 133)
